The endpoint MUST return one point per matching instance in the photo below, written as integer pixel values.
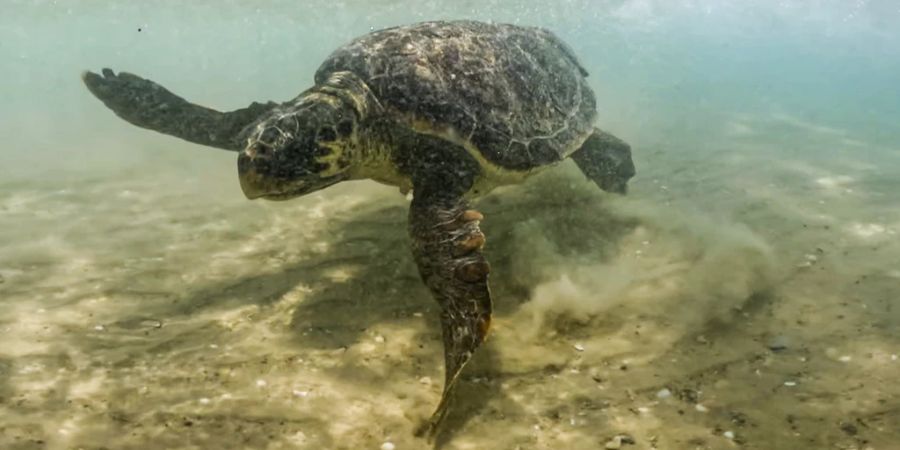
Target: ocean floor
(743, 295)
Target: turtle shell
(517, 95)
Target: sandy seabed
(741, 296)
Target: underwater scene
(506, 224)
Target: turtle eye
(326, 134)
(269, 135)
(345, 128)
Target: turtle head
(297, 151)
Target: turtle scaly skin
(447, 110)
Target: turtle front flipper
(447, 246)
(606, 160)
(148, 105)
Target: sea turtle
(446, 110)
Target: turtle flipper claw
(113, 90)
(447, 245)
(146, 104)
(137, 100)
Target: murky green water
(743, 295)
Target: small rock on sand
(778, 343)
(619, 440)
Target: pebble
(298, 393)
(663, 393)
(388, 446)
(893, 357)
(151, 323)
(425, 380)
(700, 408)
(844, 358)
(261, 383)
(99, 328)
(204, 401)
(617, 441)
(728, 434)
(614, 443)
(778, 343)
(379, 339)
(790, 383)
(578, 347)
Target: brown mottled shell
(515, 94)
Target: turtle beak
(249, 186)
(250, 179)
(255, 183)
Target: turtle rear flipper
(148, 105)
(447, 246)
(606, 160)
